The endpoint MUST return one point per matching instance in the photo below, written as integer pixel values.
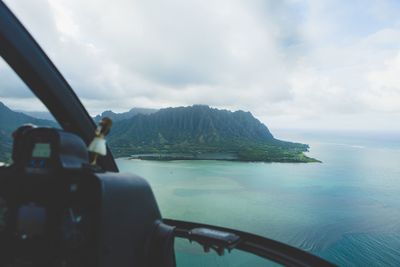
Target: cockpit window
(279, 118)
(18, 106)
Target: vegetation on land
(195, 132)
(9, 121)
(198, 131)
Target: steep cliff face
(201, 129)
(194, 130)
(124, 115)
(194, 124)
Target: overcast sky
(293, 64)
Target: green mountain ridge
(108, 113)
(124, 115)
(193, 131)
(9, 121)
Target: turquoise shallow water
(346, 209)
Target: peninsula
(181, 133)
(200, 132)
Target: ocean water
(346, 209)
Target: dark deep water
(346, 209)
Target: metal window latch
(214, 239)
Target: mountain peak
(124, 115)
(194, 130)
(199, 129)
(197, 123)
(4, 107)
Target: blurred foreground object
(98, 145)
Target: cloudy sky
(293, 64)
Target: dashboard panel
(49, 220)
(58, 210)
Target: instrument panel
(49, 220)
(58, 210)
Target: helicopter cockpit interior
(58, 210)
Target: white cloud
(292, 63)
(384, 91)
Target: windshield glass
(278, 118)
(18, 106)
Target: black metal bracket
(219, 241)
(220, 238)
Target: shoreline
(166, 157)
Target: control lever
(214, 239)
